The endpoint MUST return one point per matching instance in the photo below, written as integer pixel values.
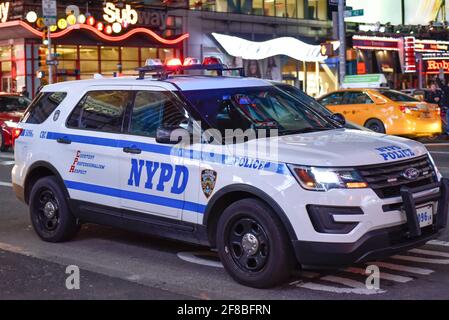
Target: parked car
(12, 107)
(315, 105)
(386, 111)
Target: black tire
(375, 125)
(272, 263)
(49, 211)
(3, 147)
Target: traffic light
(42, 58)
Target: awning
(289, 46)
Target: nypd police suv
(159, 154)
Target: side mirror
(172, 135)
(339, 118)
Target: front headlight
(323, 179)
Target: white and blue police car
(160, 155)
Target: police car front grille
(386, 179)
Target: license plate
(425, 115)
(425, 215)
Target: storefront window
(221, 5)
(317, 9)
(89, 63)
(280, 8)
(67, 52)
(130, 53)
(5, 68)
(148, 53)
(269, 8)
(109, 67)
(165, 54)
(258, 7)
(129, 67)
(300, 8)
(88, 67)
(291, 8)
(109, 53)
(310, 9)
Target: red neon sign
(92, 29)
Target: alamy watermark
(72, 282)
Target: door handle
(64, 140)
(132, 150)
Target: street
(116, 264)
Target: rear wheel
(50, 214)
(375, 125)
(253, 245)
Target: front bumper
(380, 243)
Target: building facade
(116, 37)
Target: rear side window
(332, 99)
(101, 111)
(356, 97)
(42, 106)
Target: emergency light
(174, 65)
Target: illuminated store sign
(431, 46)
(127, 15)
(4, 11)
(434, 66)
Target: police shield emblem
(208, 179)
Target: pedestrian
(433, 95)
(444, 105)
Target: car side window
(333, 99)
(101, 111)
(356, 97)
(154, 109)
(42, 106)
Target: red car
(12, 107)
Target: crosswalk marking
(431, 252)
(399, 267)
(439, 243)
(6, 163)
(383, 275)
(326, 288)
(422, 260)
(5, 184)
(344, 281)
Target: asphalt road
(123, 265)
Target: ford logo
(411, 173)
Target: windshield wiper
(304, 130)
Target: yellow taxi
(385, 111)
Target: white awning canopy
(289, 46)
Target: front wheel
(253, 245)
(375, 125)
(49, 210)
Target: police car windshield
(299, 94)
(255, 108)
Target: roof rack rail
(162, 71)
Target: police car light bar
(162, 71)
